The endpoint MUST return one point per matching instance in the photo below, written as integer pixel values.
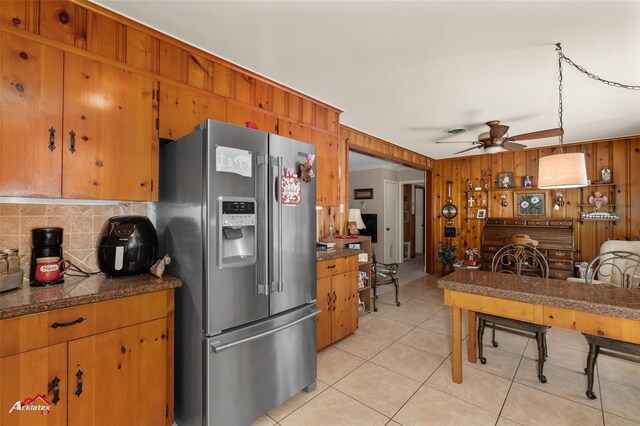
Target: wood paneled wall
(376, 147)
(622, 156)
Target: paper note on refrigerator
(233, 160)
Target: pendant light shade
(562, 171)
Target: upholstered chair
(524, 260)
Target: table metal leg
(456, 357)
(471, 337)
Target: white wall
(374, 178)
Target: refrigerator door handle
(219, 348)
(278, 285)
(262, 276)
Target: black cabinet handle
(79, 383)
(72, 145)
(329, 300)
(66, 324)
(331, 267)
(335, 297)
(55, 385)
(52, 139)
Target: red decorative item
(251, 125)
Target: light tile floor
(396, 370)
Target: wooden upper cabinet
(181, 110)
(108, 137)
(30, 111)
(327, 169)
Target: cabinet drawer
(560, 264)
(537, 222)
(491, 221)
(560, 223)
(327, 268)
(560, 254)
(515, 222)
(560, 274)
(34, 331)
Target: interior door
(30, 118)
(419, 220)
(109, 146)
(390, 222)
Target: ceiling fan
(497, 140)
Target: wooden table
(601, 310)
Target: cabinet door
(30, 105)
(123, 376)
(327, 169)
(31, 374)
(323, 303)
(341, 312)
(352, 302)
(110, 111)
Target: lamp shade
(562, 171)
(354, 216)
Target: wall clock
(449, 210)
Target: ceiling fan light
(562, 171)
(493, 149)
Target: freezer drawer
(252, 370)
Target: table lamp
(355, 221)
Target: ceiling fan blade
(498, 130)
(538, 135)
(469, 149)
(456, 141)
(512, 146)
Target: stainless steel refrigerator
(241, 232)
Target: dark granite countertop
(77, 291)
(340, 252)
(604, 299)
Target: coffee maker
(45, 242)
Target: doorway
(391, 254)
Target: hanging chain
(591, 75)
(560, 123)
(562, 57)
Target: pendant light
(564, 170)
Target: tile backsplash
(81, 223)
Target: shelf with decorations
(477, 204)
(598, 202)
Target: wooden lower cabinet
(337, 300)
(117, 377)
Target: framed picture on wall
(505, 180)
(363, 194)
(482, 214)
(530, 203)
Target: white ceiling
(406, 71)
